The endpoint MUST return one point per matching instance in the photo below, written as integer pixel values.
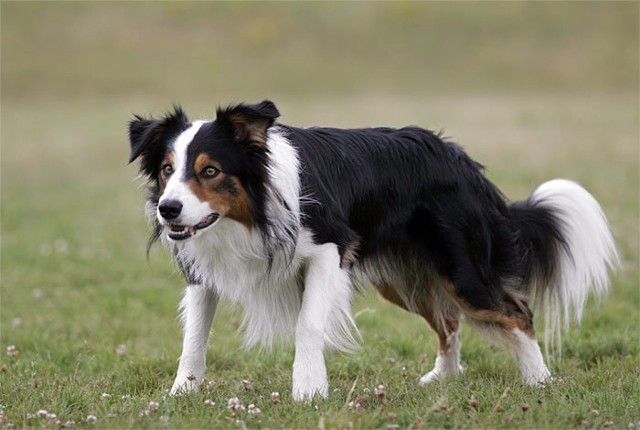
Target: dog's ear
(250, 122)
(149, 137)
(140, 135)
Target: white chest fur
(231, 261)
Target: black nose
(170, 209)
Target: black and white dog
(282, 220)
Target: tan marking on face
(224, 193)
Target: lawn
(92, 320)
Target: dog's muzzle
(182, 232)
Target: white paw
(437, 375)
(309, 382)
(430, 378)
(307, 393)
(537, 377)
(185, 384)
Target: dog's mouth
(182, 232)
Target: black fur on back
(407, 192)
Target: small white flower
(42, 413)
(209, 402)
(70, 423)
(121, 350)
(275, 397)
(234, 404)
(91, 419)
(153, 406)
(254, 412)
(12, 351)
(105, 396)
(246, 384)
(380, 392)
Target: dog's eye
(210, 172)
(167, 170)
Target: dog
(286, 220)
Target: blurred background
(533, 90)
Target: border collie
(283, 220)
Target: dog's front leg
(197, 310)
(326, 293)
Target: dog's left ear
(250, 122)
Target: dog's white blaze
(193, 210)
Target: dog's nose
(170, 209)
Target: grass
(76, 284)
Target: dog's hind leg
(448, 358)
(509, 322)
(197, 310)
(442, 317)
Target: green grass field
(533, 91)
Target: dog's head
(202, 172)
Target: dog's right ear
(149, 138)
(140, 132)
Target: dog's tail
(567, 250)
